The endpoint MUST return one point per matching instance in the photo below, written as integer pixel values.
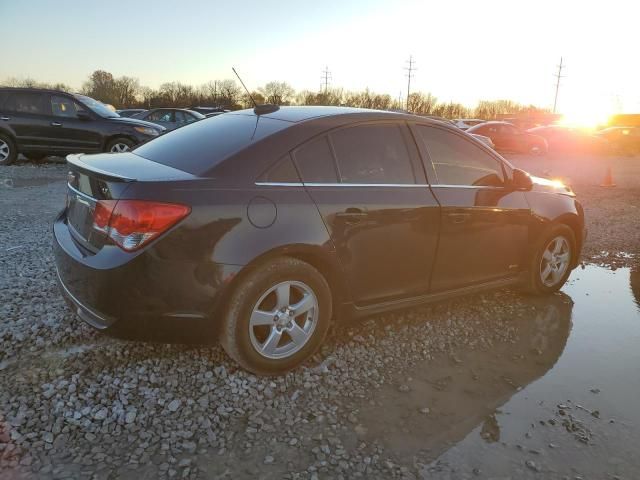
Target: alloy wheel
(555, 261)
(119, 148)
(5, 150)
(283, 320)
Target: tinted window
(63, 106)
(160, 116)
(282, 172)
(315, 162)
(199, 146)
(26, 102)
(372, 154)
(3, 97)
(458, 161)
(509, 130)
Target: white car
(464, 123)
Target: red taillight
(133, 223)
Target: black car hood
(134, 122)
(550, 186)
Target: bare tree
(101, 86)
(126, 90)
(230, 94)
(421, 103)
(278, 93)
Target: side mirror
(83, 115)
(521, 180)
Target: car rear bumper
(143, 294)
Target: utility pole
(410, 69)
(558, 77)
(326, 76)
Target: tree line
(127, 92)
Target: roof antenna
(257, 109)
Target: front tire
(8, 150)
(551, 262)
(277, 316)
(119, 145)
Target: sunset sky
(465, 50)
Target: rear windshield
(199, 146)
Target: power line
(558, 77)
(326, 76)
(410, 69)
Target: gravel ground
(77, 404)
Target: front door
(383, 219)
(485, 223)
(68, 132)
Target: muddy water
(561, 401)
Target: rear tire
(8, 150)
(119, 145)
(277, 316)
(551, 262)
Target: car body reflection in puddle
(559, 400)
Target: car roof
(37, 90)
(297, 114)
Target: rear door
(371, 191)
(25, 113)
(485, 223)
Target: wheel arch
(318, 257)
(114, 136)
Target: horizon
(296, 42)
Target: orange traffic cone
(608, 179)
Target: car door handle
(5, 118)
(56, 124)
(458, 217)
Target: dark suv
(264, 226)
(37, 123)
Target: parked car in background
(564, 139)
(486, 140)
(170, 118)
(129, 112)
(209, 111)
(622, 140)
(40, 122)
(466, 123)
(508, 138)
(263, 226)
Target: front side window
(64, 107)
(315, 162)
(375, 154)
(457, 161)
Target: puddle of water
(26, 182)
(563, 396)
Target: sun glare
(586, 116)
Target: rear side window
(3, 97)
(200, 146)
(282, 172)
(315, 162)
(375, 154)
(458, 161)
(26, 102)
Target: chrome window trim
(378, 185)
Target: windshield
(97, 107)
